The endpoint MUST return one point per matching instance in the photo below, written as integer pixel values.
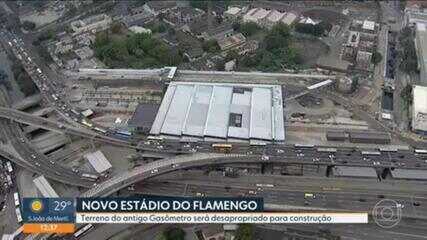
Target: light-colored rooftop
(98, 161)
(410, 174)
(44, 187)
(289, 18)
(419, 118)
(233, 10)
(344, 171)
(275, 16)
(421, 44)
(368, 25)
(240, 111)
(255, 14)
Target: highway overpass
(164, 166)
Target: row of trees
(408, 55)
(136, 51)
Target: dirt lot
(310, 49)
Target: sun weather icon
(36, 206)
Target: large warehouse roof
(419, 118)
(221, 111)
(98, 161)
(44, 187)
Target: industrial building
(221, 111)
(370, 137)
(409, 174)
(336, 136)
(98, 161)
(419, 111)
(91, 24)
(358, 172)
(421, 45)
(143, 117)
(44, 187)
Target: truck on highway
(82, 231)
(9, 167)
(222, 147)
(101, 130)
(16, 198)
(93, 177)
(86, 123)
(18, 214)
(38, 70)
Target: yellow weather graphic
(36, 206)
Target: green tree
(376, 58)
(245, 232)
(278, 37)
(116, 27)
(407, 55)
(200, 4)
(173, 233)
(27, 25)
(210, 46)
(406, 94)
(249, 28)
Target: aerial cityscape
(312, 106)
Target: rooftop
(221, 111)
(275, 16)
(368, 25)
(230, 41)
(44, 187)
(419, 119)
(161, 5)
(413, 174)
(421, 44)
(233, 10)
(144, 115)
(344, 171)
(255, 14)
(98, 161)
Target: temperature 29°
(61, 205)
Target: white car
(280, 151)
(33, 156)
(265, 157)
(154, 171)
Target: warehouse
(419, 118)
(409, 174)
(44, 187)
(221, 111)
(336, 136)
(357, 172)
(370, 137)
(98, 161)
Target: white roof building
(44, 187)
(419, 118)
(221, 111)
(98, 161)
(138, 29)
(255, 15)
(289, 18)
(368, 25)
(233, 11)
